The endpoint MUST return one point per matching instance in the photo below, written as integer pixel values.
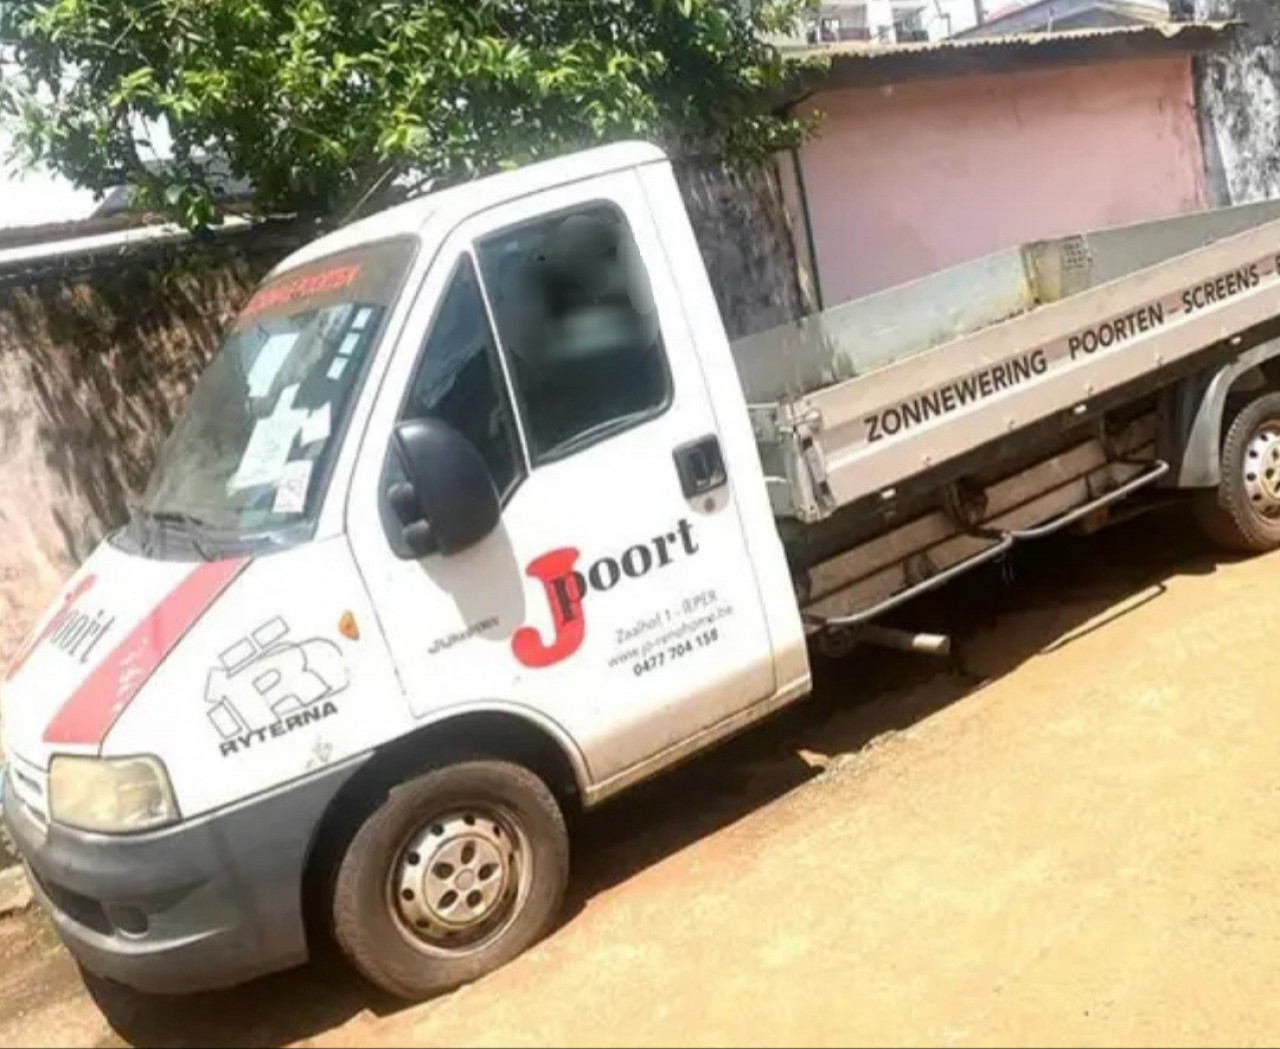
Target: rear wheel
(1243, 513)
(455, 874)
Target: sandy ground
(1070, 836)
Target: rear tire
(1243, 513)
(457, 872)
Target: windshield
(249, 460)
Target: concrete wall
(1238, 91)
(92, 372)
(743, 227)
(909, 179)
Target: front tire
(1243, 513)
(456, 873)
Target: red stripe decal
(87, 716)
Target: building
(1048, 16)
(888, 21)
(935, 154)
(915, 21)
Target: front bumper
(207, 903)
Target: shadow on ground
(1057, 591)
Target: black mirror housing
(448, 502)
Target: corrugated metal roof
(1164, 30)
(856, 63)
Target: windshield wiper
(195, 528)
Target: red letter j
(564, 591)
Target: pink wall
(912, 178)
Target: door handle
(700, 466)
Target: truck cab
(465, 524)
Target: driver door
(615, 600)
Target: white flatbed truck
(477, 516)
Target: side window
(576, 317)
(459, 380)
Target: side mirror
(448, 502)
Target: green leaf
(304, 97)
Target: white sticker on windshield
(337, 368)
(349, 344)
(270, 359)
(269, 444)
(317, 426)
(284, 403)
(291, 491)
(361, 319)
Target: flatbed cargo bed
(853, 402)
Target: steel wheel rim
(1262, 471)
(459, 880)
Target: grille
(27, 787)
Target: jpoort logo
(566, 588)
(75, 632)
(266, 686)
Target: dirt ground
(1069, 836)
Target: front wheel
(456, 873)
(1243, 513)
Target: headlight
(110, 795)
